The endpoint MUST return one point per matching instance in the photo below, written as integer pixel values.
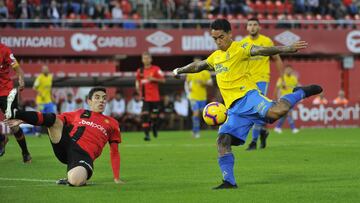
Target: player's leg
(80, 165)
(233, 132)
(259, 130)
(196, 107)
(3, 137)
(279, 124)
(283, 106)
(292, 123)
(8, 107)
(154, 109)
(77, 176)
(20, 139)
(145, 117)
(3, 141)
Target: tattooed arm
(269, 51)
(193, 67)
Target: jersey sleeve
(115, 136)
(10, 58)
(67, 117)
(245, 49)
(159, 73)
(138, 74)
(211, 60)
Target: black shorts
(152, 107)
(70, 153)
(3, 103)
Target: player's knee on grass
(278, 110)
(77, 176)
(224, 144)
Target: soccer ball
(215, 113)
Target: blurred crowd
(174, 111)
(166, 9)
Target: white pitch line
(28, 180)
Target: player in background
(78, 137)
(197, 84)
(9, 98)
(43, 88)
(285, 85)
(260, 73)
(147, 82)
(246, 106)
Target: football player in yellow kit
(246, 105)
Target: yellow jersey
(43, 86)
(197, 85)
(291, 82)
(260, 65)
(232, 71)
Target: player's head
(221, 33)
(45, 69)
(288, 70)
(118, 95)
(253, 26)
(97, 99)
(146, 59)
(69, 96)
(136, 96)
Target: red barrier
(162, 42)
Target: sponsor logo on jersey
(94, 125)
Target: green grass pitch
(315, 165)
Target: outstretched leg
(286, 102)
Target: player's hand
(151, 79)
(21, 84)
(175, 73)
(13, 122)
(118, 181)
(297, 46)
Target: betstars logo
(159, 39)
(94, 125)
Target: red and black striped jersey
(91, 130)
(7, 59)
(148, 89)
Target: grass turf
(315, 165)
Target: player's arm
(277, 88)
(137, 86)
(19, 72)
(279, 66)
(273, 50)
(193, 67)
(115, 161)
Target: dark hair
(95, 89)
(146, 53)
(254, 19)
(221, 24)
